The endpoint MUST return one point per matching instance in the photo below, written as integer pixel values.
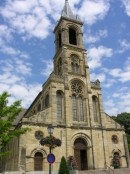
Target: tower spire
(67, 12)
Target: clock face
(38, 135)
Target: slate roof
(19, 117)
(67, 12)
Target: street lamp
(51, 142)
(50, 129)
(50, 132)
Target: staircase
(107, 171)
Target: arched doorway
(116, 160)
(80, 153)
(38, 161)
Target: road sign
(51, 158)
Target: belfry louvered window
(74, 64)
(72, 36)
(59, 39)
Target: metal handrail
(110, 169)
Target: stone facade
(73, 105)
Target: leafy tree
(63, 166)
(124, 119)
(8, 114)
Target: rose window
(76, 87)
(38, 135)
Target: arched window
(47, 101)
(59, 67)
(38, 161)
(95, 108)
(80, 107)
(39, 107)
(77, 101)
(74, 107)
(74, 64)
(59, 39)
(72, 36)
(59, 105)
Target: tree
(63, 166)
(8, 114)
(124, 119)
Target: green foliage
(8, 114)
(128, 140)
(50, 141)
(124, 119)
(63, 166)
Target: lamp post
(51, 142)
(50, 132)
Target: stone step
(106, 171)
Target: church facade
(73, 105)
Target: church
(73, 105)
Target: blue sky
(27, 47)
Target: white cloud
(126, 4)
(21, 91)
(118, 102)
(124, 46)
(100, 77)
(23, 67)
(123, 74)
(91, 38)
(5, 35)
(109, 82)
(122, 100)
(16, 66)
(95, 55)
(8, 78)
(48, 64)
(31, 19)
(111, 107)
(28, 18)
(92, 11)
(9, 50)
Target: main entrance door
(80, 153)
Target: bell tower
(70, 54)
(68, 30)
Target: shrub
(63, 169)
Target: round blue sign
(51, 158)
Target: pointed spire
(67, 12)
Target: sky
(27, 47)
